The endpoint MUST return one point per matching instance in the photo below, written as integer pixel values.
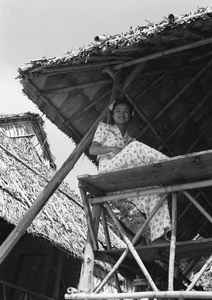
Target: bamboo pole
(173, 243)
(142, 295)
(179, 94)
(134, 240)
(52, 107)
(190, 266)
(198, 206)
(131, 248)
(157, 190)
(144, 117)
(163, 53)
(88, 215)
(132, 75)
(86, 275)
(199, 274)
(47, 192)
(77, 87)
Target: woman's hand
(115, 150)
(98, 149)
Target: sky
(32, 29)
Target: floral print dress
(134, 154)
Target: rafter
(132, 76)
(142, 115)
(164, 53)
(78, 87)
(184, 88)
(192, 112)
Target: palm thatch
(22, 177)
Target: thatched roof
(29, 125)
(22, 177)
(163, 69)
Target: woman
(117, 150)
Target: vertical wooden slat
(58, 275)
(173, 243)
(86, 275)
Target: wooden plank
(179, 169)
(149, 253)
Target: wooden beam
(183, 89)
(77, 87)
(51, 187)
(142, 295)
(53, 108)
(148, 191)
(132, 76)
(72, 68)
(163, 53)
(201, 134)
(191, 113)
(142, 115)
(150, 86)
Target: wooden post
(58, 275)
(173, 243)
(86, 275)
(47, 192)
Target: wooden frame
(105, 182)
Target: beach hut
(47, 259)
(164, 70)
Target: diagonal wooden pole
(134, 240)
(131, 248)
(48, 191)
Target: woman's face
(121, 114)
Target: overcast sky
(31, 29)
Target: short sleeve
(101, 133)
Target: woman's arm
(97, 149)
